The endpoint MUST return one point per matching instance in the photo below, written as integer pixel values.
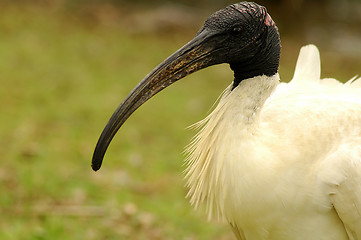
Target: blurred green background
(65, 65)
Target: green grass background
(62, 74)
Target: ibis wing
(346, 191)
(328, 102)
(343, 171)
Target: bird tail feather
(308, 66)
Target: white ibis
(275, 160)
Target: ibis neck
(239, 76)
(250, 95)
(263, 61)
(261, 67)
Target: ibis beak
(197, 54)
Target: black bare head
(247, 39)
(242, 34)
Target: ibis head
(242, 35)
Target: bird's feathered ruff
(201, 171)
(205, 167)
(282, 148)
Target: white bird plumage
(282, 160)
(278, 161)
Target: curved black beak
(197, 54)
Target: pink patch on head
(245, 10)
(268, 21)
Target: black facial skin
(249, 40)
(242, 35)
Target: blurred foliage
(291, 15)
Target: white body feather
(283, 161)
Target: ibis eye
(236, 31)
